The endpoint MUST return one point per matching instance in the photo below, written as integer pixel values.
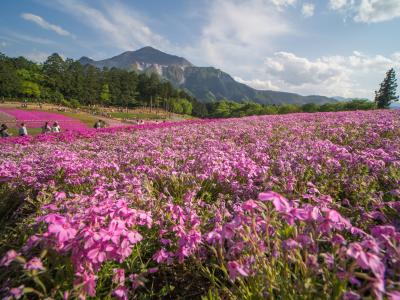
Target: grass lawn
(87, 119)
(31, 131)
(151, 116)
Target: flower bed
(293, 206)
(36, 119)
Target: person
(56, 127)
(97, 125)
(22, 130)
(46, 128)
(3, 131)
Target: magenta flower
(119, 276)
(350, 295)
(8, 258)
(34, 264)
(235, 269)
(161, 256)
(281, 204)
(120, 293)
(17, 292)
(62, 231)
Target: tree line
(69, 83)
(225, 108)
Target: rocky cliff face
(205, 83)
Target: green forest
(69, 83)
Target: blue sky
(331, 47)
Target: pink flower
(161, 256)
(88, 282)
(34, 264)
(395, 295)
(350, 295)
(17, 292)
(366, 260)
(235, 269)
(290, 244)
(8, 258)
(119, 276)
(152, 270)
(281, 204)
(249, 205)
(63, 232)
(134, 237)
(121, 293)
(96, 255)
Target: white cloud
(368, 11)
(37, 56)
(258, 84)
(337, 4)
(237, 33)
(3, 44)
(307, 10)
(118, 25)
(283, 3)
(356, 75)
(38, 20)
(373, 11)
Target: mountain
(207, 84)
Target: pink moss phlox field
(299, 205)
(37, 118)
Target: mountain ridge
(207, 84)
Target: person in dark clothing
(98, 124)
(3, 131)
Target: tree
(54, 69)
(186, 106)
(9, 80)
(105, 94)
(30, 89)
(387, 91)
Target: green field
(132, 116)
(31, 131)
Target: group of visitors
(23, 131)
(47, 128)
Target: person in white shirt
(22, 130)
(56, 127)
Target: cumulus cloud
(307, 10)
(368, 11)
(37, 56)
(122, 27)
(258, 84)
(337, 4)
(283, 3)
(373, 11)
(237, 33)
(38, 20)
(356, 75)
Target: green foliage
(30, 89)
(105, 94)
(387, 91)
(59, 80)
(69, 83)
(225, 108)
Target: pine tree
(387, 91)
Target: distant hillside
(207, 84)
